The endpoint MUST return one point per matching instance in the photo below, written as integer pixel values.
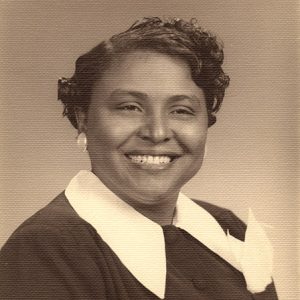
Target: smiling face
(146, 127)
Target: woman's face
(146, 127)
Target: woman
(142, 103)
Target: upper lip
(154, 152)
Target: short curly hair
(187, 40)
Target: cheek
(194, 138)
(107, 131)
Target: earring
(82, 141)
(205, 151)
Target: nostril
(155, 132)
(143, 137)
(155, 138)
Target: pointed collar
(123, 228)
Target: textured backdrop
(251, 160)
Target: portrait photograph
(149, 150)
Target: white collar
(123, 228)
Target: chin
(154, 193)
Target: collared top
(140, 243)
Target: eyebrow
(144, 96)
(177, 98)
(136, 94)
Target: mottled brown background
(252, 151)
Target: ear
(81, 118)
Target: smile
(150, 159)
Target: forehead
(149, 72)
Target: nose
(155, 129)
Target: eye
(184, 111)
(129, 107)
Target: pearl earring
(82, 141)
(205, 151)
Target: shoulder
(55, 224)
(51, 256)
(226, 218)
(57, 212)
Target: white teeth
(149, 159)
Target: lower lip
(146, 166)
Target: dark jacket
(57, 255)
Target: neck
(161, 214)
(160, 210)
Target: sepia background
(252, 150)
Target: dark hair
(199, 48)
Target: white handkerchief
(254, 255)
